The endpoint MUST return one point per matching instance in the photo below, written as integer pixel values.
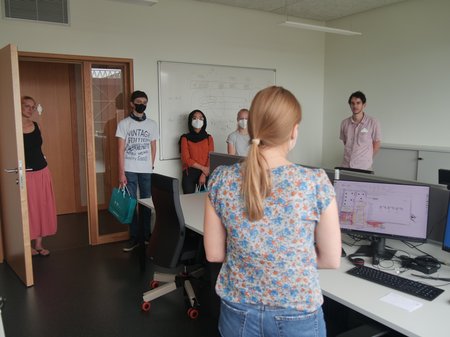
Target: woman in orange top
(195, 148)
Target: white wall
(189, 31)
(402, 63)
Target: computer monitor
(351, 169)
(446, 241)
(382, 210)
(217, 159)
(444, 177)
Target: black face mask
(140, 108)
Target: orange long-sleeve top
(192, 153)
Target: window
(37, 10)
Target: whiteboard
(218, 91)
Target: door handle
(19, 170)
(16, 170)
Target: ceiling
(320, 10)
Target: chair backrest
(353, 170)
(169, 231)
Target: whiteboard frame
(162, 156)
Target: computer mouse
(357, 261)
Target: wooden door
(51, 85)
(77, 98)
(14, 208)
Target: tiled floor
(95, 291)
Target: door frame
(86, 63)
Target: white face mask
(242, 123)
(197, 123)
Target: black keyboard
(396, 282)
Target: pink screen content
(381, 208)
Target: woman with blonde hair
(238, 140)
(41, 199)
(273, 224)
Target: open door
(13, 194)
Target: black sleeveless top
(34, 158)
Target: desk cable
(445, 279)
(416, 247)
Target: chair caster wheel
(193, 313)
(146, 306)
(154, 284)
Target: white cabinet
(429, 163)
(396, 163)
(419, 163)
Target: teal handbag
(122, 205)
(201, 188)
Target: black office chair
(172, 245)
(353, 170)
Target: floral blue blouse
(272, 261)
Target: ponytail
(273, 112)
(257, 182)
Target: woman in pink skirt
(41, 200)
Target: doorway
(82, 100)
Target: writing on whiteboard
(219, 91)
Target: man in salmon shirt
(361, 135)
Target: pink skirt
(41, 203)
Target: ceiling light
(324, 29)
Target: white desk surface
(430, 320)
(364, 297)
(193, 206)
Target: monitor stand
(376, 249)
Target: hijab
(193, 136)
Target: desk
(193, 207)
(360, 295)
(364, 297)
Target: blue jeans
(143, 180)
(251, 320)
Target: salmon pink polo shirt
(358, 141)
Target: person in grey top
(238, 141)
